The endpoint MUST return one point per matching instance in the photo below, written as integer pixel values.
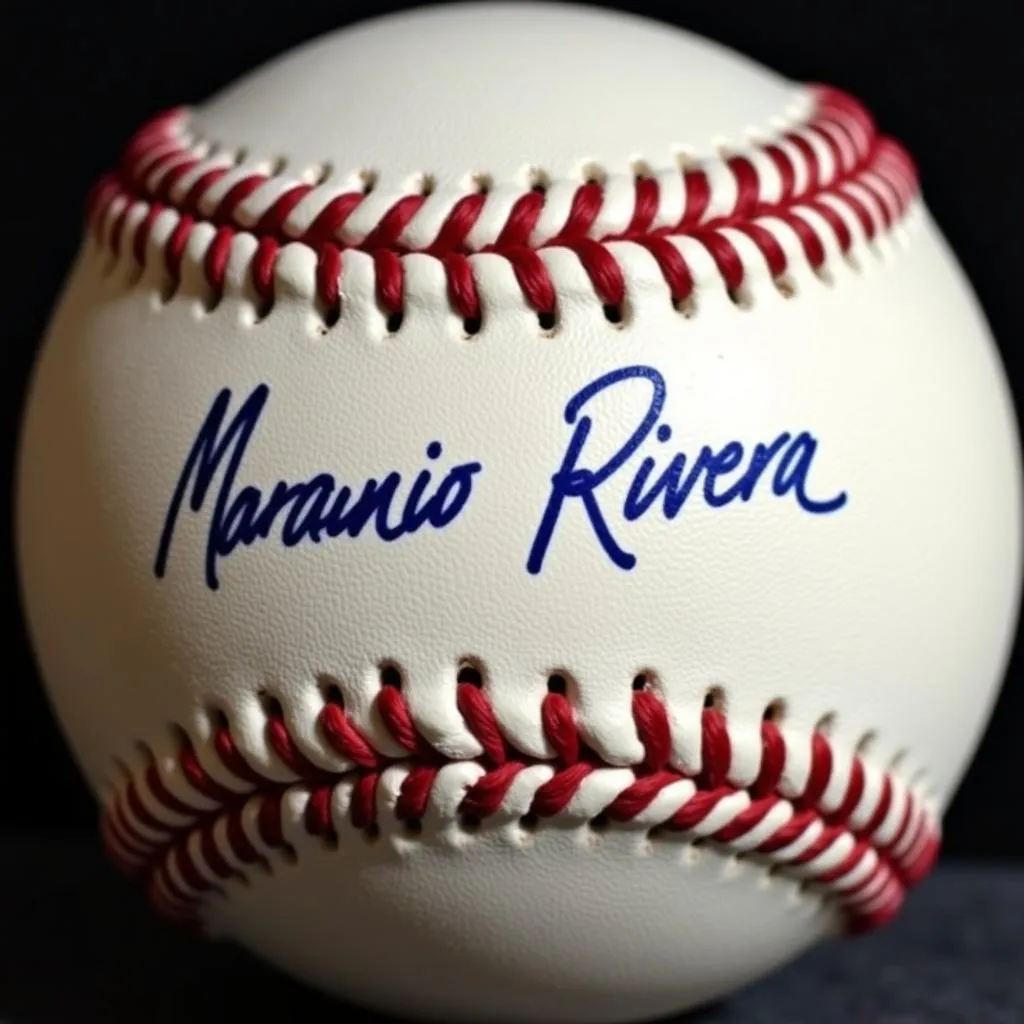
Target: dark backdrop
(80, 75)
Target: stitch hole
(741, 298)
(548, 321)
(826, 724)
(240, 157)
(278, 165)
(211, 299)
(776, 711)
(168, 289)
(288, 854)
(599, 823)
(318, 174)
(643, 682)
(366, 180)
(394, 321)
(331, 692)
(481, 183)
(642, 170)
(529, 822)
(824, 275)
(898, 760)
(866, 743)
(470, 671)
(785, 286)
(469, 823)
(593, 174)
(329, 315)
(372, 832)
(329, 840)
(615, 315)
(218, 718)
(423, 184)
(271, 705)
(558, 682)
(472, 326)
(714, 699)
(538, 180)
(181, 738)
(412, 826)
(262, 308)
(390, 675)
(685, 306)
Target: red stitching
(184, 850)
(836, 161)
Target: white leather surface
(550, 89)
(892, 615)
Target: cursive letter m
(211, 446)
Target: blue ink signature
(792, 457)
(304, 510)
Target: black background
(79, 77)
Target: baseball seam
(854, 834)
(818, 190)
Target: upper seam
(821, 186)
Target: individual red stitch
(648, 196)
(748, 187)
(603, 269)
(190, 201)
(390, 280)
(586, 206)
(534, 281)
(673, 267)
(488, 793)
(559, 724)
(272, 221)
(726, 258)
(171, 177)
(345, 738)
(519, 226)
(414, 795)
(652, 726)
(747, 820)
(716, 749)
(227, 208)
(552, 798)
(457, 225)
(390, 227)
(263, 264)
(328, 225)
(698, 198)
(462, 292)
(881, 810)
(481, 721)
(217, 254)
(773, 761)
(317, 818)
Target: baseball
(519, 516)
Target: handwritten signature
(322, 507)
(306, 510)
(792, 456)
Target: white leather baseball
(569, 729)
